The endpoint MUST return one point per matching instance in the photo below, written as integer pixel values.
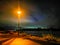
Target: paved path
(20, 41)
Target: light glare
(18, 12)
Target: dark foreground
(27, 40)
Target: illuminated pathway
(19, 41)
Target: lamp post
(19, 13)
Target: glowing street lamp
(19, 13)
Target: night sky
(38, 13)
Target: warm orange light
(21, 41)
(18, 12)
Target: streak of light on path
(21, 41)
(7, 42)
